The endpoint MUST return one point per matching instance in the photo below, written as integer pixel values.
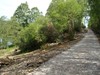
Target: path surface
(82, 59)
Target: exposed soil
(27, 62)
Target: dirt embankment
(27, 62)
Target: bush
(49, 32)
(36, 34)
(30, 38)
(77, 28)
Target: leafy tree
(34, 14)
(30, 37)
(50, 32)
(9, 30)
(66, 14)
(26, 16)
(13, 30)
(37, 33)
(94, 15)
(22, 14)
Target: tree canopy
(24, 15)
(29, 29)
(66, 15)
(94, 15)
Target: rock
(53, 44)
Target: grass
(5, 52)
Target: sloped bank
(24, 63)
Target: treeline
(94, 13)
(8, 32)
(29, 29)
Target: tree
(9, 30)
(30, 37)
(34, 14)
(36, 34)
(22, 14)
(66, 14)
(25, 16)
(94, 15)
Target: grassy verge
(6, 52)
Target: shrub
(49, 32)
(36, 34)
(77, 28)
(30, 38)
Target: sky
(86, 21)
(8, 7)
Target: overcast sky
(8, 7)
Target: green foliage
(50, 33)
(30, 37)
(94, 15)
(26, 16)
(34, 14)
(22, 14)
(66, 15)
(47, 29)
(63, 17)
(37, 33)
(9, 30)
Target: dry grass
(6, 52)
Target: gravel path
(81, 59)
